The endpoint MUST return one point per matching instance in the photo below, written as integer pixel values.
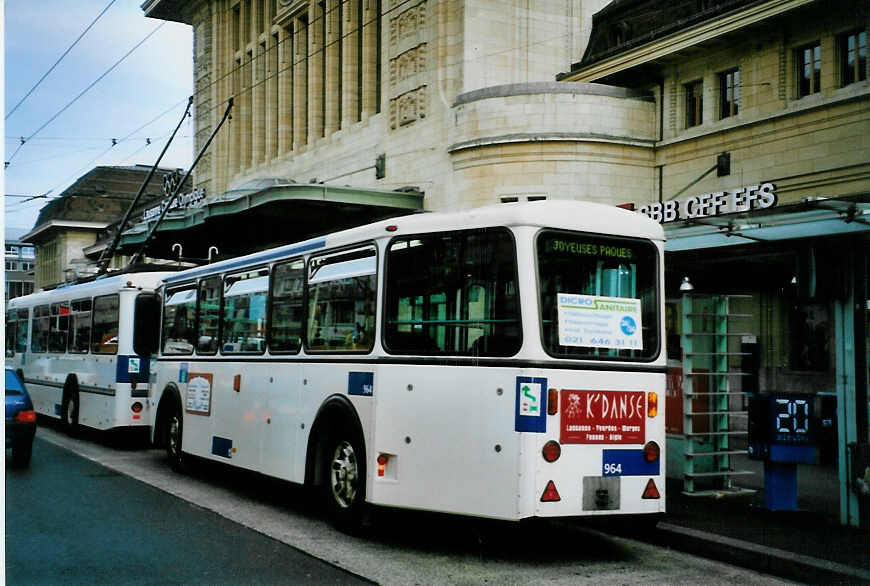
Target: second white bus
(503, 362)
(79, 349)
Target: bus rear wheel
(344, 481)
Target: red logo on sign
(602, 417)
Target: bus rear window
(454, 294)
(598, 296)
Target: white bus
(78, 348)
(503, 362)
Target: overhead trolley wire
(59, 59)
(84, 91)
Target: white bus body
(74, 348)
(433, 400)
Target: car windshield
(13, 385)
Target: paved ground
(72, 521)
(415, 548)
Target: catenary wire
(56, 63)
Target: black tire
(173, 434)
(21, 454)
(70, 412)
(344, 480)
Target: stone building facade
(455, 98)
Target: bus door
(241, 382)
(284, 383)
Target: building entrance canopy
(808, 220)
(264, 214)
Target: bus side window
(244, 313)
(39, 340)
(453, 293)
(287, 311)
(59, 325)
(21, 330)
(209, 315)
(80, 326)
(342, 288)
(179, 319)
(104, 335)
(11, 327)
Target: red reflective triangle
(651, 491)
(550, 493)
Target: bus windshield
(598, 296)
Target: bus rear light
(651, 452)
(136, 407)
(27, 416)
(551, 495)
(651, 491)
(552, 450)
(652, 404)
(382, 464)
(552, 401)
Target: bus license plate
(602, 417)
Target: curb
(759, 557)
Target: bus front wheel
(343, 488)
(174, 434)
(70, 412)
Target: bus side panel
(450, 440)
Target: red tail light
(552, 450)
(136, 407)
(651, 452)
(550, 495)
(26, 416)
(382, 464)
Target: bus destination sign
(602, 417)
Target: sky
(156, 78)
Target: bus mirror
(146, 324)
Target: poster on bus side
(599, 322)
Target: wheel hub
(344, 475)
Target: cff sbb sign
(742, 199)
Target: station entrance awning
(266, 213)
(807, 220)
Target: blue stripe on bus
(628, 463)
(254, 260)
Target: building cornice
(42, 228)
(684, 39)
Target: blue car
(20, 420)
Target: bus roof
(565, 214)
(101, 286)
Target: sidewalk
(808, 545)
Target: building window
(809, 64)
(694, 103)
(853, 57)
(729, 93)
